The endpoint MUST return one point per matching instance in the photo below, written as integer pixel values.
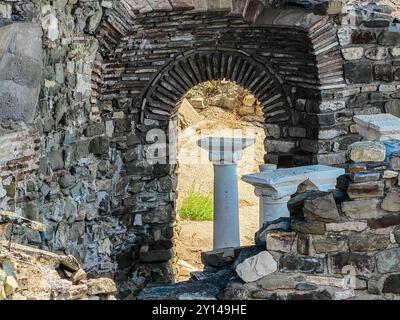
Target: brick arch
(298, 47)
(119, 19)
(160, 99)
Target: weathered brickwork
(113, 70)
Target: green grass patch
(197, 206)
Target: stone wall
(65, 187)
(113, 70)
(369, 48)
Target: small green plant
(197, 206)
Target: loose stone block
(332, 281)
(276, 281)
(363, 263)
(387, 38)
(101, 286)
(330, 244)
(368, 242)
(353, 53)
(367, 151)
(304, 243)
(393, 106)
(365, 176)
(362, 37)
(188, 115)
(377, 127)
(390, 174)
(395, 162)
(366, 190)
(375, 284)
(388, 260)
(383, 72)
(321, 208)
(280, 241)
(218, 258)
(344, 294)
(362, 209)
(292, 263)
(308, 227)
(392, 284)
(384, 222)
(356, 167)
(197, 103)
(395, 52)
(358, 72)
(376, 53)
(391, 202)
(346, 226)
(256, 267)
(21, 71)
(281, 224)
(10, 286)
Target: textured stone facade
(113, 70)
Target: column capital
(225, 150)
(274, 187)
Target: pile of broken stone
(28, 273)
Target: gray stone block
(21, 71)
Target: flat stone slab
(376, 127)
(12, 217)
(287, 174)
(256, 267)
(323, 177)
(20, 71)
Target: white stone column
(225, 152)
(258, 192)
(274, 187)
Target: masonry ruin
(88, 87)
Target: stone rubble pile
(228, 96)
(27, 273)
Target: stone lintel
(284, 182)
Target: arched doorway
(185, 71)
(160, 105)
(213, 109)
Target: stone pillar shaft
(225, 152)
(226, 208)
